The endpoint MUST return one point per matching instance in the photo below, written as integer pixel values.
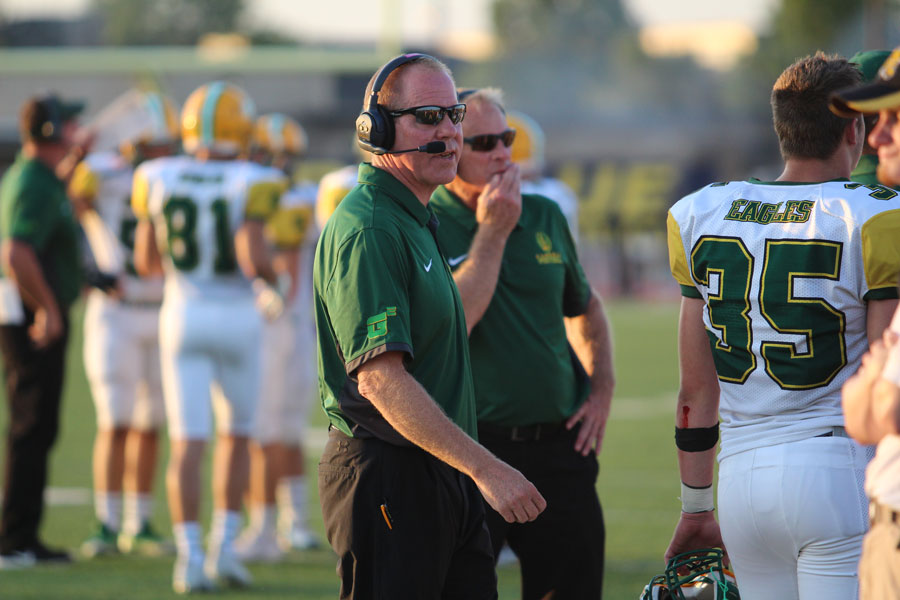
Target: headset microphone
(429, 148)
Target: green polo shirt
(525, 371)
(34, 209)
(866, 170)
(382, 285)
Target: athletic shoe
(225, 568)
(17, 559)
(299, 537)
(145, 542)
(258, 546)
(102, 541)
(49, 556)
(188, 576)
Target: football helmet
(528, 146)
(697, 575)
(159, 133)
(277, 134)
(217, 116)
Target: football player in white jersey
(121, 349)
(784, 285)
(201, 220)
(288, 361)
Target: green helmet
(697, 575)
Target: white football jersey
(294, 226)
(785, 271)
(196, 208)
(106, 178)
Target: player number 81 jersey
(196, 208)
(785, 272)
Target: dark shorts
(404, 524)
(562, 551)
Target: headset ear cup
(375, 130)
(386, 127)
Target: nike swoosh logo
(428, 266)
(457, 259)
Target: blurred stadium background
(641, 102)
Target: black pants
(561, 552)
(34, 380)
(404, 525)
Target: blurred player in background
(784, 285)
(868, 63)
(528, 152)
(277, 471)
(206, 212)
(121, 339)
(335, 185)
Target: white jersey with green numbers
(785, 271)
(105, 178)
(196, 208)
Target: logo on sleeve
(428, 266)
(377, 326)
(547, 256)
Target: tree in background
(166, 22)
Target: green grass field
(638, 487)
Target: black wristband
(696, 439)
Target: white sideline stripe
(623, 409)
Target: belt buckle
(514, 435)
(525, 433)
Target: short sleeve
(140, 194)
(84, 182)
(262, 199)
(367, 298)
(577, 291)
(289, 227)
(678, 262)
(881, 255)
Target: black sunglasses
(486, 142)
(432, 115)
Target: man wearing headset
(400, 476)
(40, 257)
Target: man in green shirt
(400, 476)
(533, 322)
(40, 257)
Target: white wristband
(696, 500)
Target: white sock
(292, 500)
(263, 518)
(108, 508)
(226, 524)
(138, 510)
(187, 538)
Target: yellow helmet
(163, 125)
(217, 116)
(278, 134)
(528, 147)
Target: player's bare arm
(251, 253)
(590, 337)
(23, 267)
(405, 404)
(697, 409)
(498, 208)
(147, 260)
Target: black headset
(46, 124)
(375, 126)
